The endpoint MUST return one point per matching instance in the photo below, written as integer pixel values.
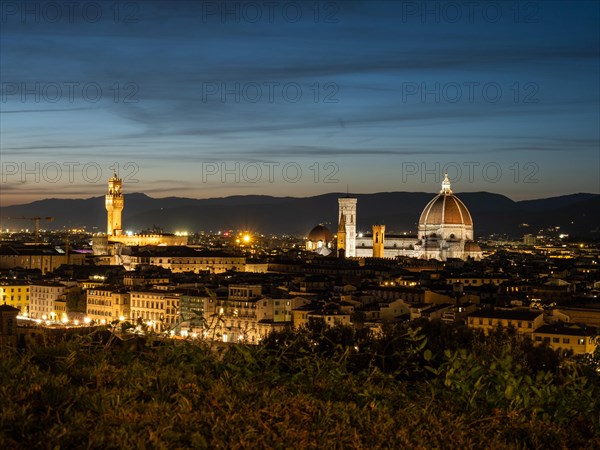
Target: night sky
(210, 99)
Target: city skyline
(212, 99)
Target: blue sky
(207, 99)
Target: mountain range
(576, 214)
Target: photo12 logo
(268, 172)
(470, 172)
(242, 11)
(268, 92)
(469, 92)
(70, 12)
(469, 12)
(68, 91)
(65, 172)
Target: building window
(566, 340)
(581, 341)
(556, 340)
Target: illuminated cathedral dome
(319, 237)
(445, 209)
(446, 228)
(320, 233)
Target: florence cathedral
(445, 231)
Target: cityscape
(353, 244)
(251, 285)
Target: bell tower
(378, 241)
(347, 212)
(341, 238)
(114, 206)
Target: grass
(298, 390)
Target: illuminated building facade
(45, 300)
(15, 295)
(107, 304)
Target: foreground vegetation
(415, 386)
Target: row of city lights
(49, 320)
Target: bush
(333, 388)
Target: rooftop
(568, 330)
(507, 314)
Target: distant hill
(577, 214)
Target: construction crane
(37, 224)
